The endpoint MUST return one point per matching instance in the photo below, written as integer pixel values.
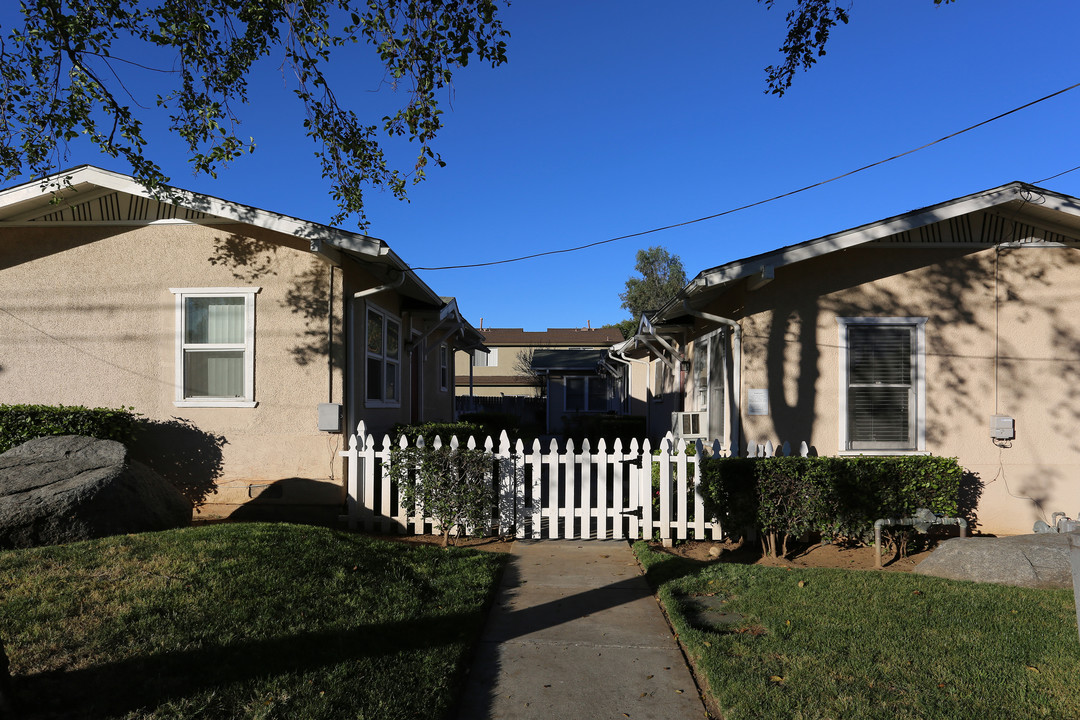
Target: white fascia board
(881, 229)
(1056, 201)
(94, 176)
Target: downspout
(735, 395)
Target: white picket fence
(591, 492)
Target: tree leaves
(662, 277)
(64, 74)
(809, 24)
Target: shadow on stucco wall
(309, 297)
(974, 298)
(307, 294)
(297, 500)
(182, 453)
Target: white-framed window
(882, 385)
(486, 359)
(382, 378)
(585, 393)
(215, 346)
(444, 367)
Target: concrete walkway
(576, 633)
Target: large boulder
(1039, 560)
(66, 488)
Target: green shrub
(19, 423)
(452, 486)
(838, 497)
(444, 430)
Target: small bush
(450, 485)
(19, 423)
(444, 430)
(838, 497)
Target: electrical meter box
(330, 417)
(1002, 427)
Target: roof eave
(717, 279)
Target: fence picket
(585, 464)
(681, 489)
(570, 506)
(644, 489)
(603, 472)
(352, 490)
(537, 489)
(552, 507)
(699, 499)
(385, 509)
(619, 471)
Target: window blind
(880, 387)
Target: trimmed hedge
(19, 423)
(838, 497)
(444, 430)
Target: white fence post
(352, 490)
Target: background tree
(662, 276)
(809, 24)
(72, 67)
(524, 368)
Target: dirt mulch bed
(488, 544)
(813, 556)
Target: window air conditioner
(690, 425)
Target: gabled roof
(548, 360)
(567, 337)
(88, 195)
(1059, 214)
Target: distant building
(563, 366)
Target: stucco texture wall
(87, 318)
(1002, 337)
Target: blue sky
(616, 117)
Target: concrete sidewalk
(576, 633)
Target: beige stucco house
(952, 330)
(251, 342)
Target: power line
(1065, 172)
(774, 198)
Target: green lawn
(241, 620)
(858, 644)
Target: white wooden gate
(592, 491)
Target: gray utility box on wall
(330, 417)
(1002, 427)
